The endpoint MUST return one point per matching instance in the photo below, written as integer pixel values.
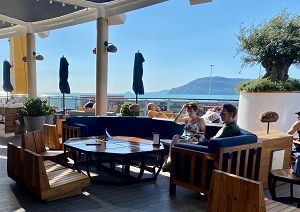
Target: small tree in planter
(275, 45)
(34, 112)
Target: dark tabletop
(116, 145)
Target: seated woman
(193, 126)
(154, 111)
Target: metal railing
(115, 102)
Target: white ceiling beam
(193, 2)
(119, 7)
(13, 20)
(75, 18)
(13, 31)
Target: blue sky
(178, 42)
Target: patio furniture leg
(65, 157)
(87, 157)
(75, 165)
(272, 186)
(291, 192)
(142, 169)
(161, 163)
(172, 188)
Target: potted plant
(275, 45)
(130, 109)
(34, 112)
(49, 114)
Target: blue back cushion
(166, 128)
(245, 137)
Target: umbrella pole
(6, 97)
(136, 98)
(64, 103)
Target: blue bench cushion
(245, 137)
(213, 145)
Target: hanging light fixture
(36, 56)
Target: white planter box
(251, 105)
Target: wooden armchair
(193, 169)
(233, 193)
(34, 142)
(52, 140)
(46, 179)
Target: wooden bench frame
(233, 193)
(70, 132)
(46, 179)
(34, 141)
(193, 169)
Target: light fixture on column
(110, 47)
(36, 56)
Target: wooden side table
(273, 141)
(284, 175)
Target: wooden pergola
(19, 17)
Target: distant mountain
(200, 86)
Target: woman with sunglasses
(194, 129)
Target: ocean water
(72, 101)
(157, 95)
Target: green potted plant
(34, 112)
(130, 109)
(275, 45)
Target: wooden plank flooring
(152, 196)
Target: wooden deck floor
(151, 196)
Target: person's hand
(158, 109)
(184, 107)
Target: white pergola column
(31, 66)
(101, 67)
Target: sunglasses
(224, 112)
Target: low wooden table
(284, 175)
(123, 150)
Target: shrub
(35, 108)
(125, 111)
(261, 85)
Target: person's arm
(202, 126)
(178, 119)
(294, 128)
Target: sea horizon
(152, 95)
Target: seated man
(230, 128)
(89, 104)
(154, 111)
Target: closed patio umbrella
(63, 78)
(7, 87)
(138, 86)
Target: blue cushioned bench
(142, 127)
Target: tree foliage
(35, 108)
(274, 44)
(262, 85)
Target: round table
(124, 148)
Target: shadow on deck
(152, 196)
